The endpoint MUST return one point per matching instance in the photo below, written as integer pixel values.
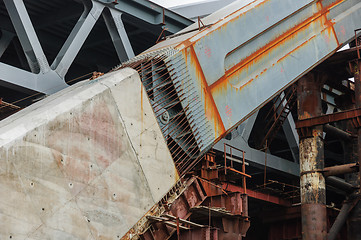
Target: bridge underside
(47, 45)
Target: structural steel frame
(48, 78)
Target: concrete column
(354, 220)
(312, 181)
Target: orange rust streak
(276, 43)
(294, 50)
(210, 106)
(324, 11)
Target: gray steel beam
(245, 128)
(77, 37)
(151, 13)
(257, 158)
(20, 55)
(27, 36)
(42, 78)
(114, 23)
(289, 128)
(46, 79)
(17, 78)
(5, 41)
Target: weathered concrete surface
(85, 163)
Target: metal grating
(174, 101)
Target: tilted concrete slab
(84, 163)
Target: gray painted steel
(151, 13)
(48, 77)
(248, 53)
(200, 9)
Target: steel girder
(48, 77)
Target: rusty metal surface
(341, 219)
(242, 58)
(338, 133)
(312, 182)
(232, 202)
(229, 226)
(313, 227)
(190, 213)
(328, 118)
(340, 169)
(354, 220)
(143, 224)
(285, 224)
(201, 234)
(190, 196)
(277, 115)
(258, 195)
(358, 105)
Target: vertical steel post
(340, 221)
(312, 181)
(357, 77)
(354, 220)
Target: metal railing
(232, 159)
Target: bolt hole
(11, 237)
(31, 184)
(88, 220)
(131, 124)
(43, 209)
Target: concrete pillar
(354, 220)
(312, 181)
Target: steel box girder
(151, 13)
(251, 51)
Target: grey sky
(172, 3)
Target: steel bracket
(304, 127)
